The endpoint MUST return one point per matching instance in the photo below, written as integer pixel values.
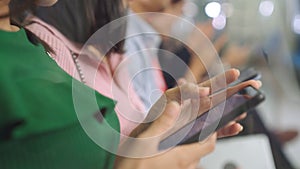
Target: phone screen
(214, 119)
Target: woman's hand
(195, 100)
(143, 154)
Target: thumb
(165, 122)
(186, 91)
(145, 145)
(198, 150)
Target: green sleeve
(39, 127)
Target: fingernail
(204, 91)
(241, 128)
(238, 71)
(259, 83)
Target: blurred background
(270, 30)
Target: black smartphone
(215, 118)
(247, 74)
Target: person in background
(142, 49)
(231, 54)
(146, 34)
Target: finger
(196, 151)
(186, 91)
(241, 117)
(218, 81)
(181, 81)
(230, 130)
(254, 83)
(146, 143)
(165, 122)
(233, 90)
(204, 105)
(198, 107)
(259, 84)
(208, 102)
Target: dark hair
(18, 12)
(78, 20)
(175, 1)
(18, 9)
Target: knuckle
(182, 163)
(212, 147)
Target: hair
(18, 8)
(18, 11)
(175, 1)
(78, 20)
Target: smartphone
(247, 74)
(215, 118)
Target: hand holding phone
(247, 74)
(236, 103)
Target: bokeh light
(213, 9)
(219, 22)
(296, 24)
(266, 8)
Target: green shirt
(38, 122)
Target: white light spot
(296, 24)
(213, 9)
(219, 22)
(266, 8)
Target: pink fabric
(111, 81)
(159, 78)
